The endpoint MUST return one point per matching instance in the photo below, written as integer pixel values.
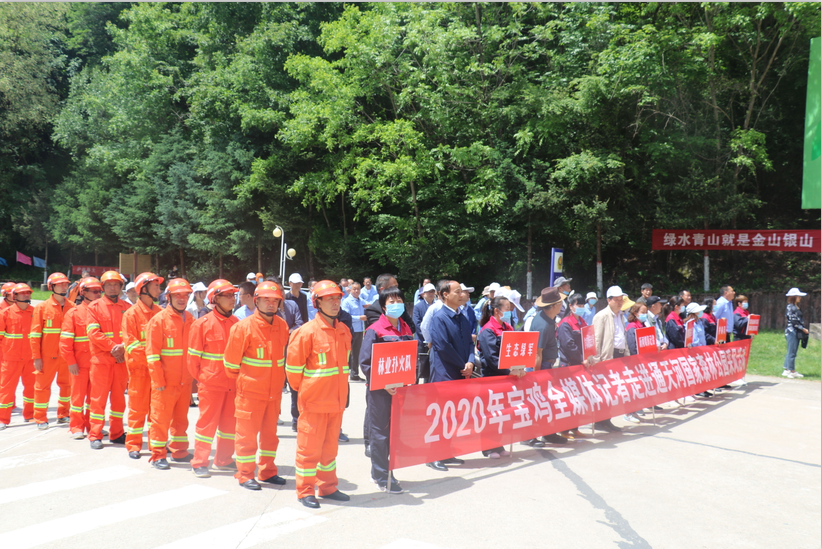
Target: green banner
(811, 173)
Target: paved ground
(739, 470)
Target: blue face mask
(506, 316)
(394, 310)
(699, 315)
(744, 305)
(716, 308)
(643, 317)
(592, 302)
(579, 310)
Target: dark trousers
(354, 357)
(379, 423)
(295, 412)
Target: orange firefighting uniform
(135, 321)
(206, 345)
(46, 325)
(105, 321)
(318, 369)
(166, 352)
(254, 356)
(74, 348)
(15, 325)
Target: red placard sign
(393, 364)
(589, 342)
(721, 330)
(753, 325)
(763, 241)
(518, 350)
(440, 420)
(689, 333)
(646, 340)
(92, 270)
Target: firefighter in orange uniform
(318, 369)
(206, 345)
(167, 353)
(46, 325)
(74, 348)
(147, 286)
(255, 357)
(108, 370)
(15, 326)
(5, 293)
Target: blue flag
(3, 262)
(39, 262)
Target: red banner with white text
(767, 241)
(436, 421)
(92, 270)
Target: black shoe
(201, 472)
(453, 461)
(251, 485)
(96, 444)
(437, 466)
(193, 403)
(343, 437)
(705, 394)
(119, 440)
(310, 501)
(725, 387)
(394, 488)
(554, 439)
(228, 467)
(659, 408)
(62, 420)
(134, 454)
(355, 377)
(185, 459)
(276, 479)
(607, 426)
(534, 443)
(161, 464)
(337, 496)
(368, 451)
(294, 426)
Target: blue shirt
(478, 307)
(699, 334)
(725, 309)
(451, 345)
(420, 308)
(369, 295)
(243, 312)
(356, 308)
(588, 314)
(425, 326)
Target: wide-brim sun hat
(694, 308)
(795, 292)
(548, 297)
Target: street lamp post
(289, 253)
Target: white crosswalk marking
(72, 482)
(53, 530)
(32, 459)
(249, 532)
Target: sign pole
(706, 267)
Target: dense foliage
(426, 139)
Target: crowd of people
(241, 347)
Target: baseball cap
(591, 295)
(561, 280)
(653, 300)
(465, 288)
(428, 288)
(130, 285)
(615, 291)
(494, 287)
(295, 278)
(251, 276)
(694, 308)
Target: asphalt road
(739, 470)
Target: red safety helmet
(7, 288)
(179, 286)
(220, 287)
(144, 278)
(324, 288)
(89, 283)
(109, 276)
(57, 278)
(268, 289)
(20, 288)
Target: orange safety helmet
(220, 287)
(109, 276)
(179, 286)
(143, 280)
(20, 288)
(7, 288)
(324, 288)
(89, 283)
(57, 278)
(268, 289)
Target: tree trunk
(134, 265)
(182, 264)
(342, 209)
(259, 256)
(599, 259)
(96, 263)
(416, 209)
(529, 285)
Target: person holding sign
(708, 321)
(637, 316)
(741, 314)
(569, 339)
(695, 313)
(674, 327)
(794, 332)
(610, 338)
(387, 329)
(654, 320)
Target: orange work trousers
(256, 417)
(107, 381)
(318, 436)
(80, 397)
(216, 417)
(139, 404)
(169, 416)
(52, 367)
(12, 372)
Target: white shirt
(619, 331)
(426, 320)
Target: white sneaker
(79, 435)
(494, 455)
(504, 453)
(3, 426)
(786, 373)
(795, 374)
(631, 417)
(688, 399)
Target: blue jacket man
(452, 348)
